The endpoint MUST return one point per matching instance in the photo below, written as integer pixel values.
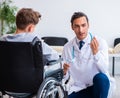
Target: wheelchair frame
(51, 86)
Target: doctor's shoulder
(69, 44)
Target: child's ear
(30, 28)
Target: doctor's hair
(26, 16)
(78, 15)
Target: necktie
(81, 44)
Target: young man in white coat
(86, 61)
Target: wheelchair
(23, 71)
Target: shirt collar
(86, 40)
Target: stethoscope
(73, 49)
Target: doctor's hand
(94, 45)
(65, 68)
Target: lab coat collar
(87, 41)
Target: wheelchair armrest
(52, 62)
(54, 69)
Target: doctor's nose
(80, 29)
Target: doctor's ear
(72, 27)
(88, 24)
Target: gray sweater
(48, 52)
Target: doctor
(86, 61)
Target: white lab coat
(83, 64)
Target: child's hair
(26, 16)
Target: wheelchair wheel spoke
(51, 88)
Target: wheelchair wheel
(50, 88)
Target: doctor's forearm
(101, 61)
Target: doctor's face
(80, 27)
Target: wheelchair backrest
(55, 41)
(21, 66)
